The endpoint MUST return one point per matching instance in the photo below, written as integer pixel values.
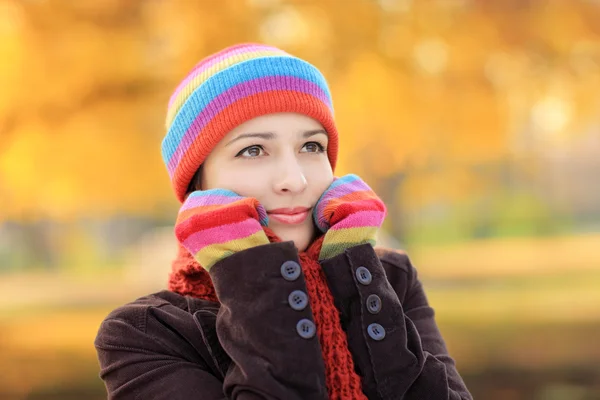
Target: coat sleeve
(272, 350)
(391, 329)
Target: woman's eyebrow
(271, 135)
(265, 135)
(313, 132)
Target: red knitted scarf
(189, 278)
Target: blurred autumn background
(477, 121)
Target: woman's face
(279, 159)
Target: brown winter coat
(171, 347)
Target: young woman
(277, 291)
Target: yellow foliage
(417, 86)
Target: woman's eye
(252, 151)
(314, 147)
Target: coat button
(363, 275)
(298, 300)
(376, 331)
(306, 328)
(373, 304)
(290, 270)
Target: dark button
(298, 300)
(376, 331)
(290, 270)
(373, 304)
(306, 328)
(363, 275)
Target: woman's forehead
(277, 126)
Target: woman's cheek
(247, 181)
(320, 177)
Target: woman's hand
(349, 213)
(214, 224)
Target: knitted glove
(349, 213)
(214, 224)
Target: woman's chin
(301, 237)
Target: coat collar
(216, 358)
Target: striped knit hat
(233, 86)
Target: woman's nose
(290, 177)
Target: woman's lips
(289, 215)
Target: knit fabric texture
(214, 224)
(342, 381)
(340, 377)
(230, 87)
(350, 213)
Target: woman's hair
(195, 183)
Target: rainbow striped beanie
(233, 86)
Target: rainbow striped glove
(214, 224)
(349, 213)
